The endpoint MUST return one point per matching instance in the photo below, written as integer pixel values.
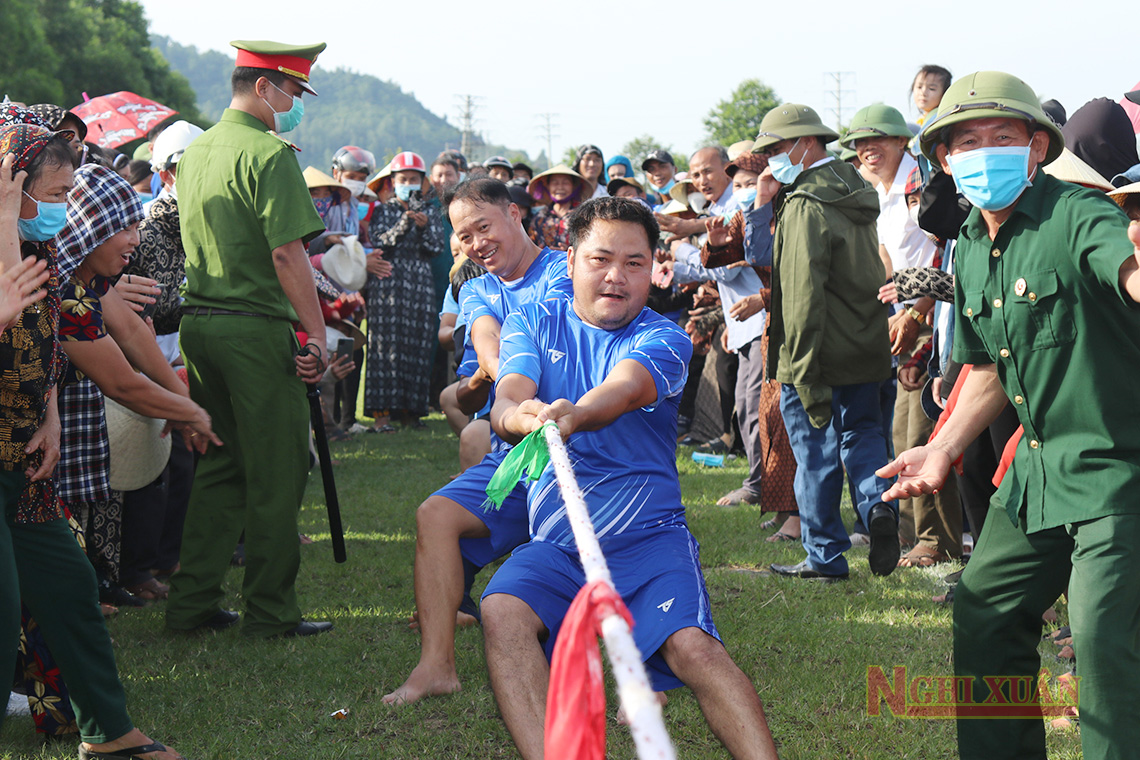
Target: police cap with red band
(292, 60)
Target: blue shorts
(509, 524)
(657, 572)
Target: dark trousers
(43, 566)
(727, 365)
(1014, 577)
(153, 517)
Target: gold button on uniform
(1018, 400)
(1019, 287)
(997, 303)
(1034, 444)
(969, 312)
(1004, 353)
(1032, 296)
(995, 253)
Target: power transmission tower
(468, 105)
(840, 86)
(547, 125)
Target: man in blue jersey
(455, 535)
(610, 373)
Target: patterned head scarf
(100, 205)
(24, 140)
(749, 162)
(10, 113)
(913, 182)
(54, 115)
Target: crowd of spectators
(815, 273)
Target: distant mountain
(353, 109)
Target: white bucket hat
(345, 263)
(139, 452)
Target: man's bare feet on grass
(462, 620)
(425, 681)
(130, 740)
(623, 719)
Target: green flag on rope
(530, 456)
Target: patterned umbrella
(115, 119)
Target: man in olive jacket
(829, 344)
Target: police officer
(1046, 289)
(246, 215)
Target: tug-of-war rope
(576, 701)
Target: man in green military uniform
(246, 215)
(1045, 301)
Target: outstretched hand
(20, 288)
(718, 231)
(921, 470)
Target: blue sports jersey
(628, 469)
(488, 295)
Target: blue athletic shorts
(657, 573)
(509, 524)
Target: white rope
(640, 702)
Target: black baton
(331, 502)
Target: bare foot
(462, 620)
(623, 719)
(425, 682)
(135, 738)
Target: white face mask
(913, 211)
(355, 186)
(174, 191)
(697, 202)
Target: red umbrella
(115, 119)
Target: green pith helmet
(878, 120)
(988, 95)
(789, 121)
(847, 154)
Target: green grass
(806, 646)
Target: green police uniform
(240, 196)
(1043, 303)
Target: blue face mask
(404, 192)
(49, 221)
(663, 190)
(991, 178)
(362, 210)
(286, 121)
(745, 197)
(782, 167)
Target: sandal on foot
(122, 754)
(923, 556)
(150, 590)
(779, 519)
(944, 599)
(739, 496)
(1061, 636)
(781, 536)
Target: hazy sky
(617, 69)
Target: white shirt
(906, 243)
(734, 284)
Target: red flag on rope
(576, 700)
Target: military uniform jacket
(1043, 303)
(240, 196)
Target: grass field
(807, 647)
